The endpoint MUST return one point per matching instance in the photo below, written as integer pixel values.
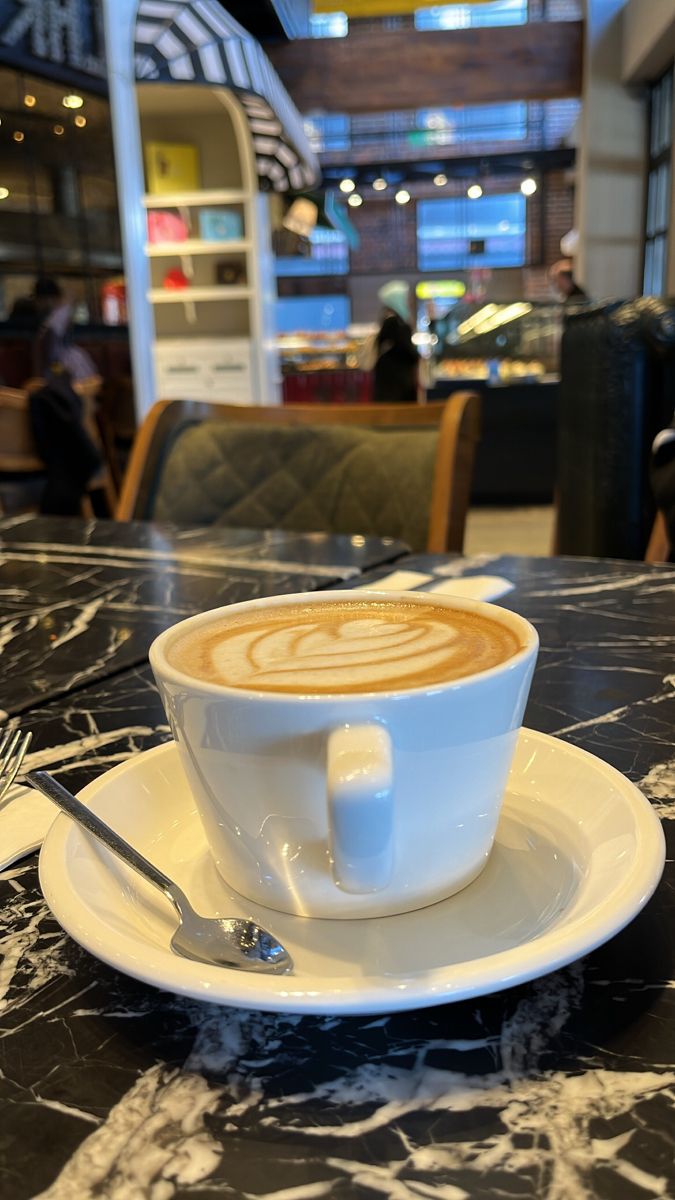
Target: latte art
(346, 646)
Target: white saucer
(578, 853)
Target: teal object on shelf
(220, 225)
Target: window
(329, 255)
(462, 233)
(328, 132)
(471, 16)
(658, 186)
(476, 123)
(329, 25)
(58, 205)
(313, 314)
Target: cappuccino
(343, 646)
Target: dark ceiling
(271, 20)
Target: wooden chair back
(103, 480)
(457, 420)
(18, 452)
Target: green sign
(440, 289)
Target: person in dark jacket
(562, 278)
(396, 362)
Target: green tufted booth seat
(336, 479)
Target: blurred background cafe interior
(339, 203)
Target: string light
(18, 135)
(355, 200)
(440, 180)
(58, 130)
(347, 185)
(80, 121)
(72, 101)
(4, 193)
(474, 192)
(380, 184)
(529, 186)
(30, 101)
(402, 197)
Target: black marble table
(81, 600)
(563, 1088)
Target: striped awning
(196, 41)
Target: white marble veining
(555, 1127)
(563, 1089)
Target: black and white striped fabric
(197, 41)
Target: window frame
(656, 247)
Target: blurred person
(561, 275)
(396, 358)
(23, 315)
(54, 344)
(56, 410)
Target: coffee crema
(342, 647)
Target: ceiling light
(80, 121)
(440, 180)
(402, 197)
(355, 200)
(30, 101)
(529, 186)
(380, 184)
(347, 185)
(4, 193)
(18, 135)
(58, 130)
(72, 101)
(474, 192)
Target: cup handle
(360, 807)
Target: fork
(13, 747)
(219, 941)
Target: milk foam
(346, 646)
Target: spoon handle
(49, 787)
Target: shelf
(192, 295)
(195, 246)
(195, 199)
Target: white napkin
(25, 817)
(472, 587)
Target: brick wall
(559, 212)
(388, 233)
(388, 246)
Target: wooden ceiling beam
(379, 70)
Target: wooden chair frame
(457, 420)
(659, 547)
(18, 452)
(103, 480)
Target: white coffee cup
(355, 804)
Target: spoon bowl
(234, 942)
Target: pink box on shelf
(166, 226)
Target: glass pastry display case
(499, 343)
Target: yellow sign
(440, 289)
(378, 8)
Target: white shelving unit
(193, 294)
(214, 339)
(195, 199)
(192, 246)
